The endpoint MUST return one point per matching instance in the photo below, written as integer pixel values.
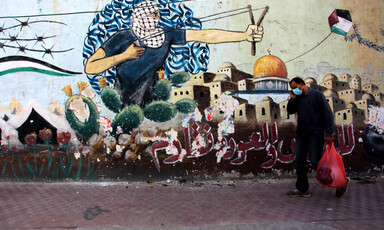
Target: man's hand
(329, 140)
(133, 52)
(254, 33)
(293, 96)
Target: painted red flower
(64, 137)
(31, 138)
(13, 148)
(8, 137)
(81, 149)
(5, 147)
(45, 134)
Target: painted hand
(254, 33)
(133, 52)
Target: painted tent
(44, 119)
(9, 133)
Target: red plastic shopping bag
(330, 169)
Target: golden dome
(330, 77)
(269, 65)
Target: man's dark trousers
(311, 143)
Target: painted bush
(111, 99)
(186, 105)
(160, 111)
(128, 119)
(163, 90)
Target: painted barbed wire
(363, 41)
(23, 49)
(37, 39)
(26, 23)
(192, 57)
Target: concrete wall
(69, 112)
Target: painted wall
(196, 109)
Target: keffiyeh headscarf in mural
(144, 26)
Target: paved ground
(191, 205)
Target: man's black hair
(298, 80)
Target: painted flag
(340, 21)
(14, 64)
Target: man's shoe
(341, 191)
(297, 193)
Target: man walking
(314, 118)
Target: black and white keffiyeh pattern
(145, 27)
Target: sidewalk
(190, 205)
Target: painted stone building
(232, 72)
(267, 111)
(260, 92)
(347, 100)
(330, 81)
(370, 88)
(334, 100)
(356, 82)
(312, 83)
(198, 93)
(350, 115)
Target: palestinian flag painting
(340, 21)
(14, 64)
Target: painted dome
(227, 65)
(368, 96)
(269, 65)
(330, 77)
(351, 105)
(309, 80)
(267, 98)
(221, 77)
(331, 93)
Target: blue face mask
(297, 91)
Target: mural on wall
(146, 99)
